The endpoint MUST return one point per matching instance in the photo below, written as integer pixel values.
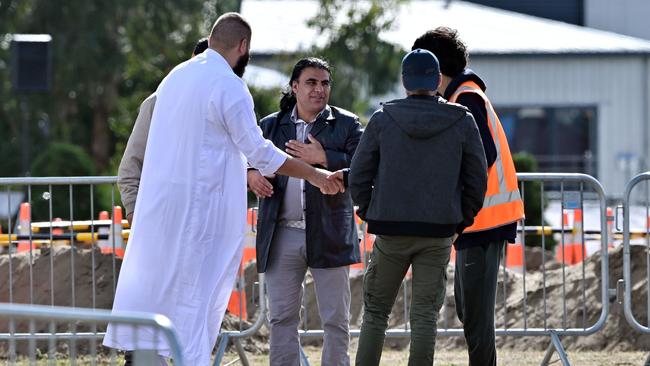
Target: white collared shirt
(293, 203)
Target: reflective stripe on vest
(504, 196)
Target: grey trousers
(284, 276)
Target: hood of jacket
(466, 75)
(423, 117)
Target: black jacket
(419, 169)
(332, 239)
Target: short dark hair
(229, 30)
(200, 46)
(450, 50)
(288, 100)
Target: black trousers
(475, 282)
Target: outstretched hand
(328, 185)
(259, 184)
(337, 176)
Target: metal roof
(264, 78)
(280, 27)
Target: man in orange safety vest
(479, 247)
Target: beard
(240, 66)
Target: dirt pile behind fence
(73, 277)
(582, 309)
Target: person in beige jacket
(128, 174)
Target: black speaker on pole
(31, 62)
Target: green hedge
(533, 204)
(66, 160)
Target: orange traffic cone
(366, 243)
(250, 252)
(579, 250)
(564, 248)
(237, 302)
(25, 222)
(610, 228)
(57, 230)
(104, 245)
(515, 256)
(115, 241)
(358, 225)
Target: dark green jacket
(419, 169)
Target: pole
(24, 139)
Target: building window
(563, 139)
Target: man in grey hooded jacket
(419, 172)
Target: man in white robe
(190, 215)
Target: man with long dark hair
(479, 247)
(299, 228)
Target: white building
(621, 16)
(575, 97)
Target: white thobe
(190, 216)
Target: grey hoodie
(419, 169)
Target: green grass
(397, 358)
(459, 358)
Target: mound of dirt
(86, 278)
(61, 277)
(579, 298)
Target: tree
(362, 64)
(534, 203)
(60, 159)
(107, 55)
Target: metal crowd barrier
(555, 317)
(81, 275)
(235, 336)
(572, 191)
(36, 333)
(39, 248)
(642, 198)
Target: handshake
(334, 182)
(328, 182)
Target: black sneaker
(128, 358)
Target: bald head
(228, 32)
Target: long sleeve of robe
(190, 215)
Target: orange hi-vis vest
(502, 204)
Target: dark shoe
(128, 358)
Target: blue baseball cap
(420, 70)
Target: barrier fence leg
(555, 345)
(304, 361)
(242, 354)
(222, 343)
